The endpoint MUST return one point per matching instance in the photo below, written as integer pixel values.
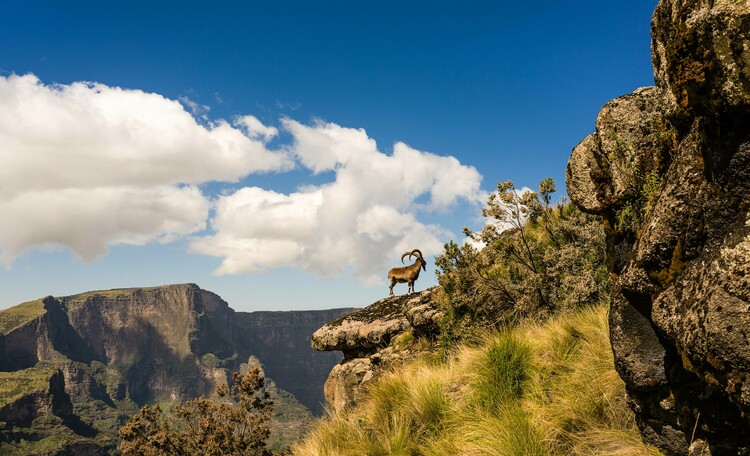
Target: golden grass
(18, 315)
(540, 389)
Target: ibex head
(418, 254)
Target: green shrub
(537, 259)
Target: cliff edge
(372, 340)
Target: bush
(236, 424)
(533, 259)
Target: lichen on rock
(668, 169)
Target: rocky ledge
(668, 168)
(369, 340)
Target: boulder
(368, 340)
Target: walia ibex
(407, 273)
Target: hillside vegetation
(526, 367)
(537, 258)
(537, 389)
(20, 314)
(15, 385)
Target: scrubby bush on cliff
(537, 258)
(535, 389)
(235, 424)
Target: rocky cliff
(668, 168)
(33, 393)
(373, 339)
(115, 350)
(281, 340)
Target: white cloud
(86, 165)
(87, 220)
(360, 221)
(255, 129)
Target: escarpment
(281, 340)
(668, 169)
(372, 339)
(113, 351)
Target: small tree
(234, 424)
(536, 258)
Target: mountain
(112, 351)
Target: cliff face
(154, 337)
(116, 350)
(668, 168)
(369, 340)
(281, 340)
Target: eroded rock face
(701, 54)
(668, 168)
(367, 339)
(117, 349)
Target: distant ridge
(116, 350)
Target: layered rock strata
(668, 168)
(113, 351)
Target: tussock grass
(501, 372)
(539, 389)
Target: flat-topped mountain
(116, 350)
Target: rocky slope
(369, 340)
(112, 351)
(668, 168)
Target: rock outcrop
(33, 393)
(668, 168)
(369, 338)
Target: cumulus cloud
(87, 220)
(255, 129)
(366, 216)
(86, 165)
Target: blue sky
(283, 154)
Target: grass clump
(538, 389)
(502, 372)
(20, 314)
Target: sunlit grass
(15, 385)
(17, 315)
(540, 389)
